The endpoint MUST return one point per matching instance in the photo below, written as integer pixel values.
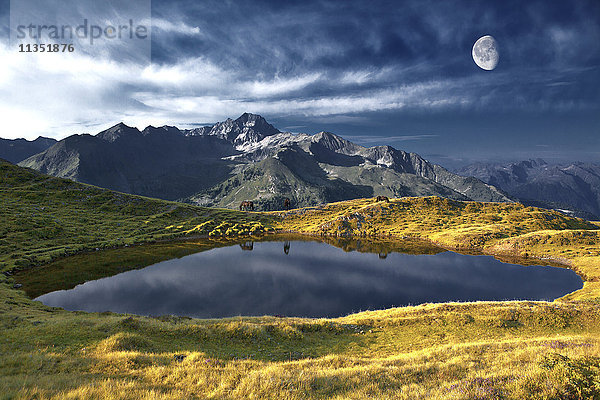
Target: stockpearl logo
(82, 31)
(111, 28)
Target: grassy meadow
(480, 350)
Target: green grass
(44, 218)
(448, 351)
(482, 350)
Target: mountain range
(248, 159)
(15, 150)
(573, 188)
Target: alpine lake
(293, 276)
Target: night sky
(397, 73)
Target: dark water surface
(309, 279)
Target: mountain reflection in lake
(309, 279)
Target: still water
(309, 279)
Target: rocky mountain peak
(258, 124)
(44, 140)
(118, 131)
(150, 130)
(248, 128)
(533, 163)
(203, 130)
(250, 119)
(335, 143)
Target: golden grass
(509, 350)
(481, 350)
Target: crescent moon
(485, 53)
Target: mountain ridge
(15, 150)
(225, 163)
(573, 187)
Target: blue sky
(380, 72)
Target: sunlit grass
(457, 350)
(482, 350)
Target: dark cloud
(357, 33)
(413, 41)
(380, 68)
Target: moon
(485, 53)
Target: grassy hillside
(45, 217)
(485, 350)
